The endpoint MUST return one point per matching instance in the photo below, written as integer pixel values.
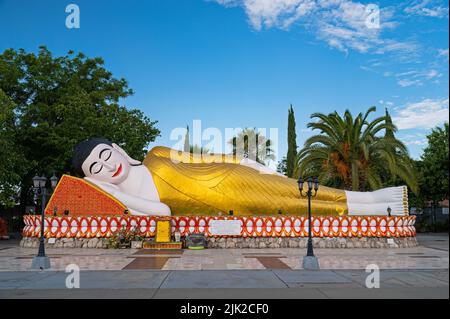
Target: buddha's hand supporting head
(102, 160)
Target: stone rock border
(248, 242)
(326, 242)
(33, 242)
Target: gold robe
(195, 186)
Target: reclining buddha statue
(170, 182)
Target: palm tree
(252, 144)
(349, 152)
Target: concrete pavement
(432, 254)
(236, 284)
(421, 272)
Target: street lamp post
(310, 262)
(41, 261)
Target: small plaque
(163, 228)
(225, 227)
(52, 240)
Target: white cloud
(428, 8)
(405, 83)
(419, 142)
(432, 74)
(416, 74)
(227, 3)
(417, 78)
(343, 24)
(387, 103)
(418, 139)
(443, 53)
(389, 45)
(276, 13)
(425, 114)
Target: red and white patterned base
(283, 226)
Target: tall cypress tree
(388, 178)
(389, 131)
(187, 143)
(292, 144)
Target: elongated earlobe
(124, 154)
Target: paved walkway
(235, 284)
(420, 272)
(432, 254)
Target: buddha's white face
(107, 163)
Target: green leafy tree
(390, 130)
(252, 144)
(417, 200)
(292, 144)
(434, 168)
(387, 178)
(62, 100)
(10, 172)
(349, 151)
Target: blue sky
(241, 63)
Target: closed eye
(103, 151)
(109, 156)
(95, 168)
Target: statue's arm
(262, 169)
(136, 204)
(142, 206)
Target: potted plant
(125, 239)
(136, 239)
(112, 242)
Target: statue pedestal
(40, 263)
(335, 228)
(310, 263)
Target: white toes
(378, 202)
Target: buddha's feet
(378, 202)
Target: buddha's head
(103, 160)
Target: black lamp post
(310, 261)
(41, 261)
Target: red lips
(119, 170)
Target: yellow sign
(163, 230)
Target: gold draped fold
(191, 185)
